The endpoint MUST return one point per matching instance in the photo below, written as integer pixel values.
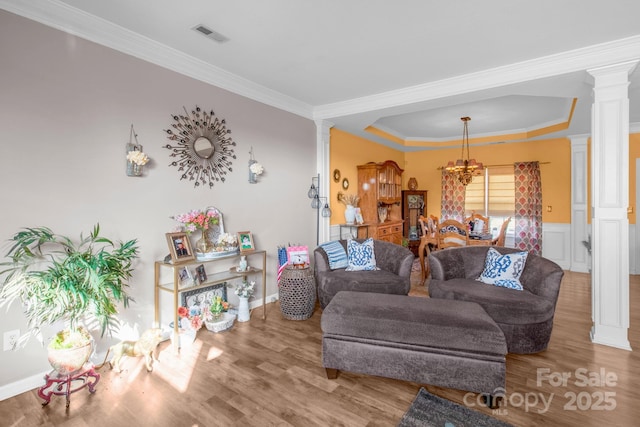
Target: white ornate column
(579, 228)
(610, 199)
(323, 152)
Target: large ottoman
(453, 344)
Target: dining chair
(452, 233)
(499, 241)
(428, 241)
(478, 224)
(433, 221)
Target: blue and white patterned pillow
(361, 255)
(336, 254)
(503, 270)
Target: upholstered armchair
(392, 277)
(525, 316)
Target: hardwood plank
(268, 372)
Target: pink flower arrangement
(198, 220)
(191, 318)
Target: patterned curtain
(528, 215)
(452, 206)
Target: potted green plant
(80, 283)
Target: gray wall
(66, 106)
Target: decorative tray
(216, 254)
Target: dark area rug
(428, 410)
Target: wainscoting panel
(634, 265)
(556, 243)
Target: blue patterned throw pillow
(503, 270)
(361, 256)
(336, 254)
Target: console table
(219, 276)
(357, 227)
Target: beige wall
(66, 106)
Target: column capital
(622, 67)
(324, 125)
(579, 140)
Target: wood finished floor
(269, 372)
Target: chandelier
(464, 168)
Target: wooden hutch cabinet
(380, 192)
(414, 204)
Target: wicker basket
(297, 293)
(221, 325)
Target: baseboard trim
(21, 386)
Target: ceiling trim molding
(61, 16)
(561, 63)
(539, 129)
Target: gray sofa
(394, 276)
(525, 317)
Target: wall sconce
(255, 168)
(136, 159)
(314, 194)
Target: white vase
(252, 176)
(350, 214)
(243, 263)
(185, 338)
(243, 310)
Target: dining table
(429, 241)
(480, 239)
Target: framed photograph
(298, 256)
(186, 278)
(202, 297)
(359, 218)
(246, 241)
(180, 247)
(201, 274)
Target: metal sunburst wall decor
(203, 148)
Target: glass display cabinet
(379, 189)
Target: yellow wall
(555, 154)
(347, 152)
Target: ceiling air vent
(210, 33)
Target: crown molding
(61, 16)
(548, 66)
